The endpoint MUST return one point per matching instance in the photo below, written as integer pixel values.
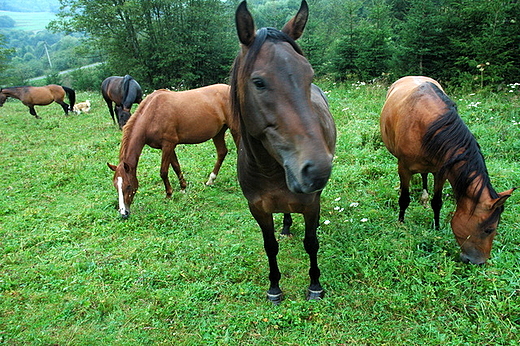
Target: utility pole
(47, 52)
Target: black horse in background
(123, 91)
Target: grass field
(191, 270)
(30, 21)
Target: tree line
(188, 43)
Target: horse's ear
(245, 25)
(112, 167)
(502, 198)
(294, 27)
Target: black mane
(449, 138)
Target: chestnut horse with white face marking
(420, 126)
(287, 135)
(40, 96)
(165, 119)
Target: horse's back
(412, 104)
(191, 116)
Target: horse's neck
(257, 156)
(475, 192)
(131, 148)
(12, 92)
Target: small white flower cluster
(514, 87)
(340, 209)
(474, 104)
(358, 85)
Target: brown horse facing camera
(163, 120)
(287, 136)
(40, 96)
(420, 126)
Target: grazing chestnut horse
(287, 134)
(420, 126)
(40, 96)
(165, 119)
(123, 91)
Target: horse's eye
(489, 230)
(259, 83)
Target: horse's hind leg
(287, 223)
(64, 106)
(404, 198)
(310, 242)
(220, 145)
(436, 202)
(266, 223)
(424, 195)
(33, 112)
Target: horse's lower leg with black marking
(33, 112)
(311, 245)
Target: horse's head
(273, 96)
(126, 184)
(475, 226)
(122, 116)
(3, 97)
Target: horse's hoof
(315, 295)
(276, 299)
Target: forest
(187, 43)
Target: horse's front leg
(33, 111)
(174, 162)
(220, 145)
(311, 244)
(436, 202)
(266, 223)
(165, 166)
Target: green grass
(191, 270)
(30, 21)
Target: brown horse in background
(123, 92)
(40, 96)
(420, 126)
(165, 119)
(287, 135)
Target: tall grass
(192, 270)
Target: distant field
(30, 20)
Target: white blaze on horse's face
(123, 209)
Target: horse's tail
(130, 95)
(71, 95)
(126, 85)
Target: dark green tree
(162, 43)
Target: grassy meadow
(191, 270)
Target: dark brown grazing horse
(165, 119)
(40, 96)
(287, 133)
(123, 92)
(420, 126)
